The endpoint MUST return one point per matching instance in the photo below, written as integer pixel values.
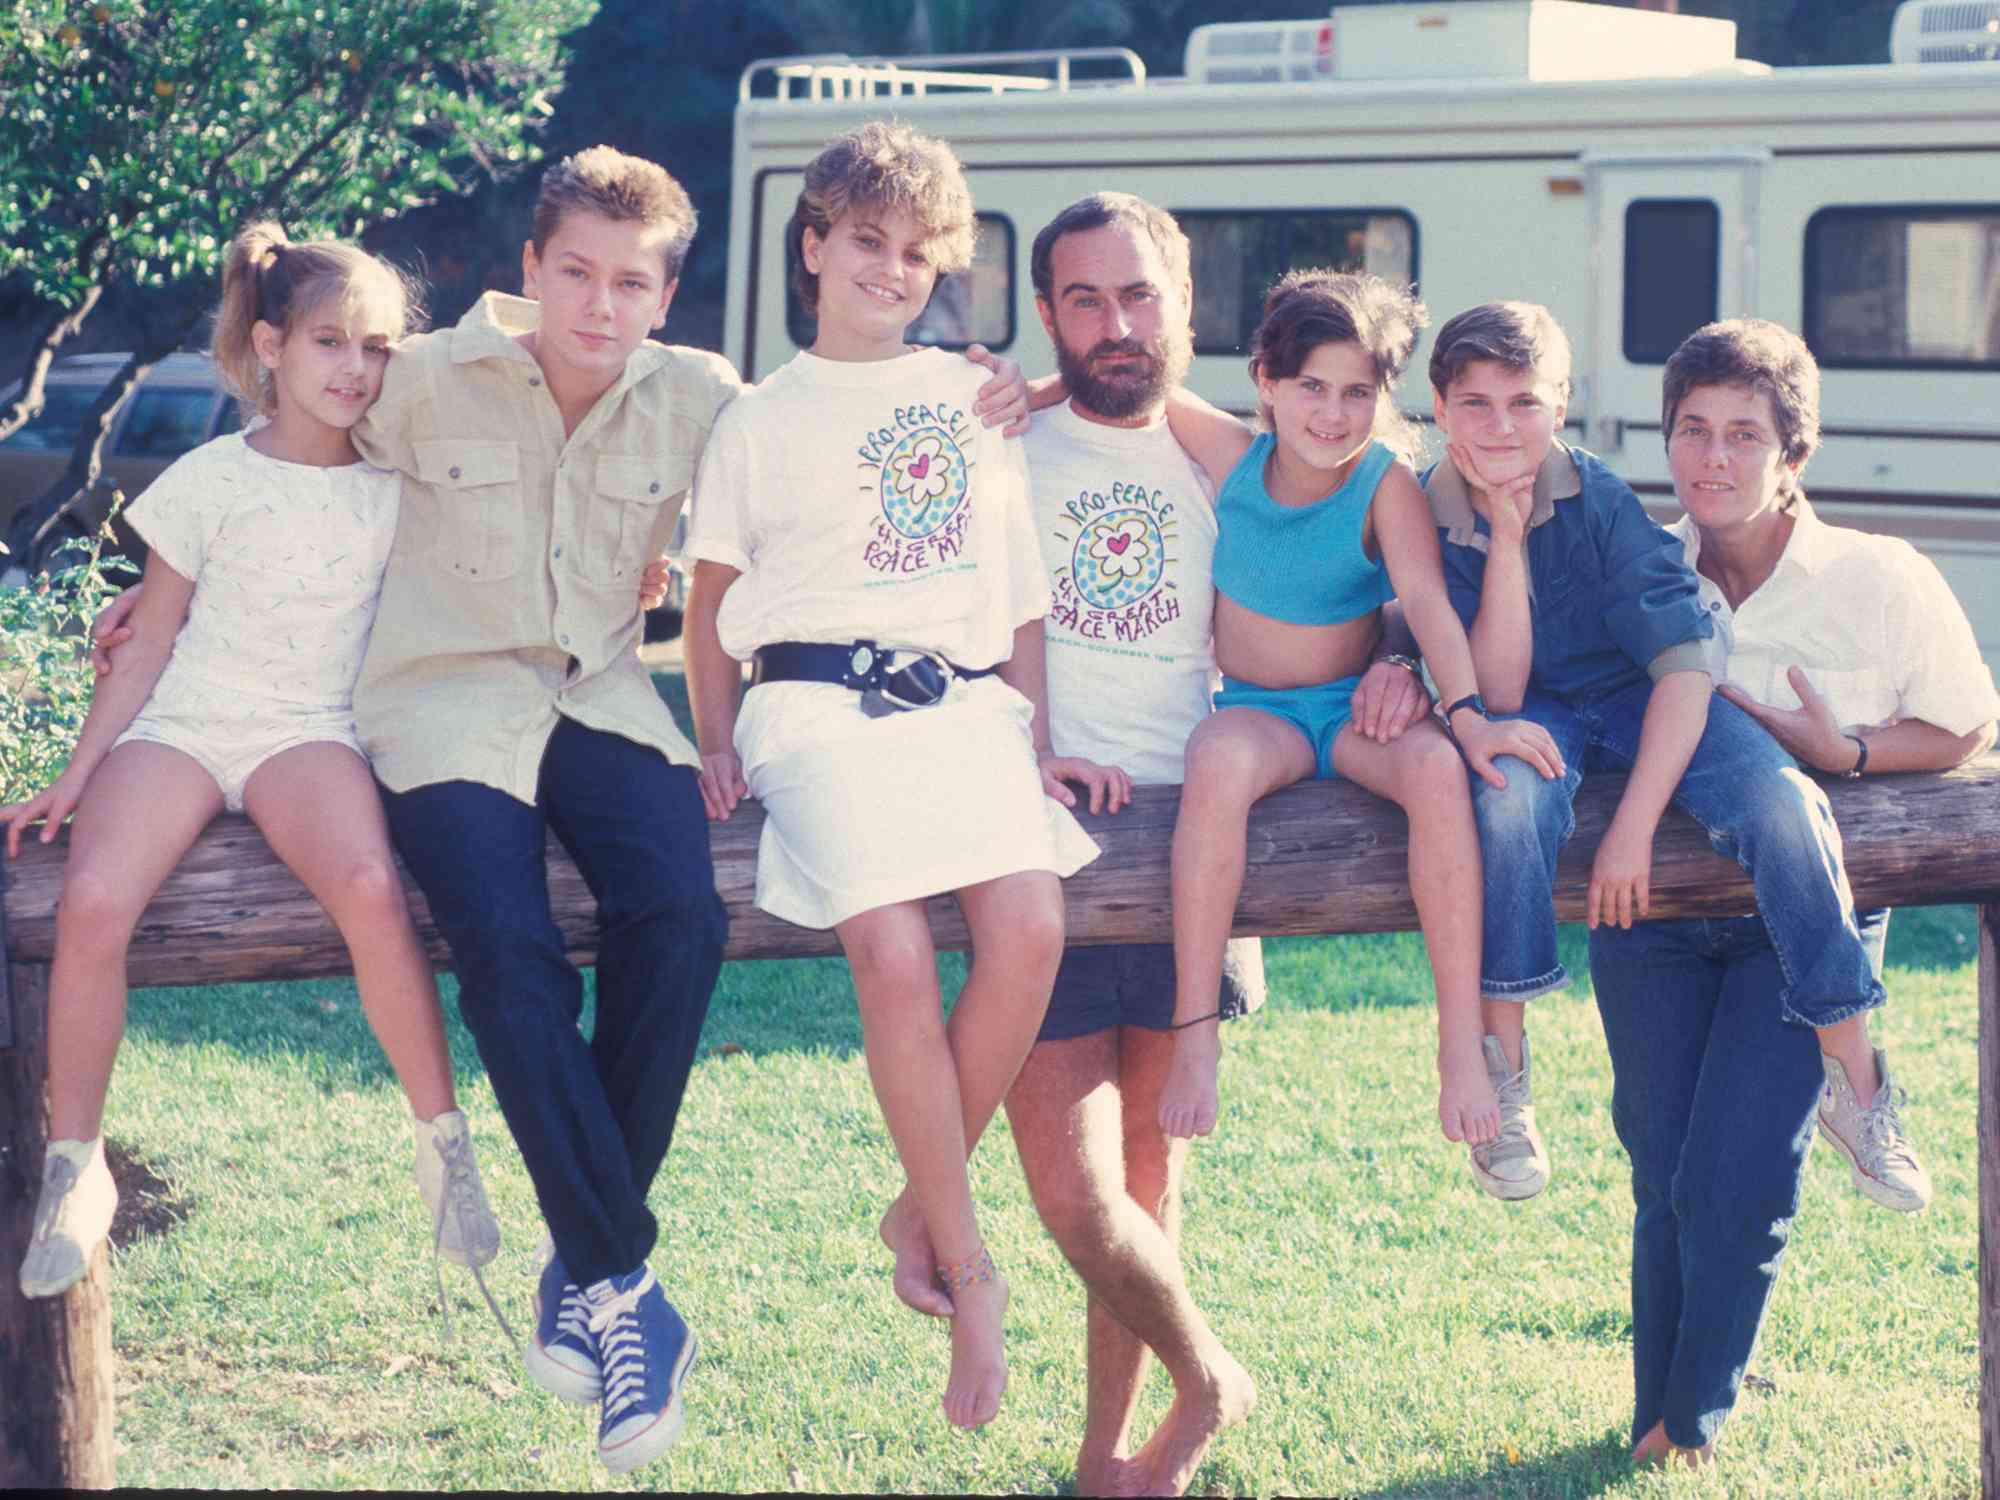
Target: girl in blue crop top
(1320, 525)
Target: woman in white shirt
(1851, 650)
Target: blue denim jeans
(1713, 1095)
(1750, 796)
(593, 1119)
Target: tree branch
(61, 329)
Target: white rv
(1623, 167)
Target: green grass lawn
(1409, 1335)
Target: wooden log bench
(1324, 858)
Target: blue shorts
(1132, 984)
(1317, 712)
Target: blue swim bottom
(1317, 712)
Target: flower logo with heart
(1120, 557)
(923, 481)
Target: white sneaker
(72, 1216)
(1884, 1163)
(462, 1222)
(1514, 1164)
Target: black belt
(865, 667)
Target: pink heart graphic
(1118, 543)
(920, 466)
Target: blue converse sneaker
(644, 1352)
(562, 1356)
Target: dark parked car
(179, 405)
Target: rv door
(1674, 246)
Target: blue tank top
(1299, 563)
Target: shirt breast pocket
(478, 489)
(626, 512)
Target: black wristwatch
(1472, 701)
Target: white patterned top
(287, 564)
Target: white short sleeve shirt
(1870, 620)
(1127, 527)
(287, 563)
(865, 501)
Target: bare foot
(1657, 1448)
(978, 1357)
(1170, 1457)
(1105, 1473)
(915, 1278)
(1188, 1103)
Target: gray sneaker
(72, 1217)
(462, 1223)
(1885, 1165)
(1514, 1164)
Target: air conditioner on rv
(1934, 31)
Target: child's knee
(1782, 814)
(897, 954)
(97, 911)
(1223, 764)
(1527, 810)
(371, 889)
(1433, 770)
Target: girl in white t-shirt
(266, 556)
(868, 545)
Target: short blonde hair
(625, 189)
(268, 279)
(885, 163)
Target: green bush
(45, 674)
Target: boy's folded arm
(1501, 632)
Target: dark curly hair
(1307, 308)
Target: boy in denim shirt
(1584, 617)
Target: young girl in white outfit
(869, 546)
(266, 556)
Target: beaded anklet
(957, 1275)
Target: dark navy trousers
(592, 1118)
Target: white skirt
(862, 812)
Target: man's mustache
(1128, 348)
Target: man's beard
(1130, 388)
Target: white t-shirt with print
(1871, 620)
(1127, 526)
(865, 501)
(286, 561)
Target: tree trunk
(1989, 1200)
(63, 326)
(55, 1352)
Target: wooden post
(55, 1352)
(1989, 1200)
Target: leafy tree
(136, 137)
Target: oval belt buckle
(921, 684)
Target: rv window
(975, 306)
(1672, 260)
(1235, 256)
(1904, 288)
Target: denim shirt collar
(1558, 478)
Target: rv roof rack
(837, 77)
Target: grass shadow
(1575, 1472)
